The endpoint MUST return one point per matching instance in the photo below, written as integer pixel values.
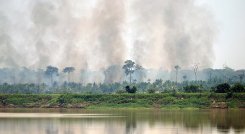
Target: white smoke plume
(172, 32)
(96, 34)
(59, 33)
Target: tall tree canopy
(130, 67)
(68, 70)
(51, 71)
(177, 68)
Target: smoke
(107, 22)
(5, 43)
(114, 74)
(172, 32)
(95, 35)
(83, 34)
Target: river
(74, 121)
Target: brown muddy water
(73, 121)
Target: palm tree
(130, 67)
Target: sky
(230, 42)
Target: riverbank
(141, 101)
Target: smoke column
(172, 32)
(61, 33)
(97, 34)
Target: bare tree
(195, 68)
(177, 68)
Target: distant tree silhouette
(195, 68)
(185, 77)
(241, 75)
(68, 70)
(238, 88)
(50, 72)
(223, 88)
(177, 68)
(130, 67)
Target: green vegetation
(161, 100)
(220, 88)
(114, 79)
(223, 88)
(237, 88)
(158, 86)
(130, 67)
(192, 89)
(131, 90)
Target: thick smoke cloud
(172, 32)
(83, 34)
(108, 19)
(5, 43)
(113, 74)
(98, 35)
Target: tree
(241, 75)
(50, 72)
(238, 88)
(209, 72)
(227, 71)
(131, 90)
(195, 68)
(192, 89)
(158, 83)
(129, 68)
(223, 88)
(68, 70)
(184, 77)
(140, 73)
(177, 68)
(151, 91)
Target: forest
(120, 79)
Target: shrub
(64, 99)
(121, 91)
(127, 88)
(238, 88)
(3, 100)
(134, 89)
(131, 90)
(151, 91)
(229, 95)
(223, 88)
(192, 89)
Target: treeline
(157, 86)
(130, 77)
(135, 73)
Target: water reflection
(129, 122)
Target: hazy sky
(230, 43)
(100, 33)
